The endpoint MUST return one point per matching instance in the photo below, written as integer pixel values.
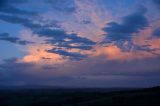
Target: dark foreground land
(80, 97)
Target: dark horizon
(81, 97)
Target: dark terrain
(80, 97)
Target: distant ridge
(36, 87)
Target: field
(80, 97)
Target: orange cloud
(145, 37)
(38, 54)
(112, 52)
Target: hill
(80, 97)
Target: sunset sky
(80, 43)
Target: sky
(80, 43)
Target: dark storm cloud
(132, 23)
(7, 37)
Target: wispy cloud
(16, 40)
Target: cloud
(147, 40)
(143, 44)
(71, 39)
(19, 20)
(12, 1)
(16, 40)
(67, 6)
(157, 32)
(113, 52)
(13, 10)
(66, 49)
(88, 20)
(91, 72)
(157, 3)
(8, 6)
(56, 37)
(71, 55)
(62, 40)
(130, 24)
(13, 72)
(44, 30)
